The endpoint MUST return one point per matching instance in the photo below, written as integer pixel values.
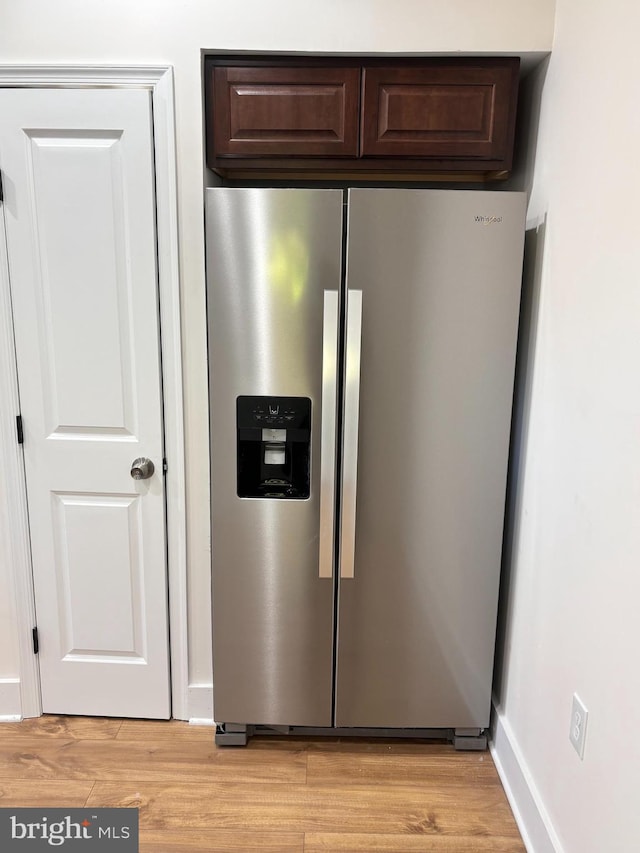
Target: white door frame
(14, 529)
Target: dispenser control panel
(274, 412)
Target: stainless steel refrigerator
(361, 359)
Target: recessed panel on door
(101, 612)
(80, 219)
(84, 279)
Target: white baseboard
(10, 700)
(524, 798)
(200, 704)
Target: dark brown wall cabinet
(313, 116)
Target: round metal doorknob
(142, 468)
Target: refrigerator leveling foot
(231, 734)
(470, 739)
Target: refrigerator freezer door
(271, 255)
(440, 277)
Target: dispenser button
(274, 435)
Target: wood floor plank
(359, 768)
(449, 810)
(58, 794)
(219, 841)
(171, 730)
(330, 842)
(53, 726)
(163, 761)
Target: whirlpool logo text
(488, 220)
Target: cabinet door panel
(282, 111)
(440, 111)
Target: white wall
(10, 702)
(9, 663)
(573, 621)
(166, 31)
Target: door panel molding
(115, 628)
(158, 80)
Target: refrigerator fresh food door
(439, 275)
(273, 282)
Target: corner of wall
(10, 700)
(200, 705)
(524, 798)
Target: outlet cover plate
(578, 727)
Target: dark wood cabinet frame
(304, 117)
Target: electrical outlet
(578, 728)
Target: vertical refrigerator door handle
(328, 432)
(350, 435)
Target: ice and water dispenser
(274, 447)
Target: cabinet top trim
(348, 61)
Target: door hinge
(164, 466)
(36, 644)
(19, 429)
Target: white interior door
(78, 176)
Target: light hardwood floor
(274, 796)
